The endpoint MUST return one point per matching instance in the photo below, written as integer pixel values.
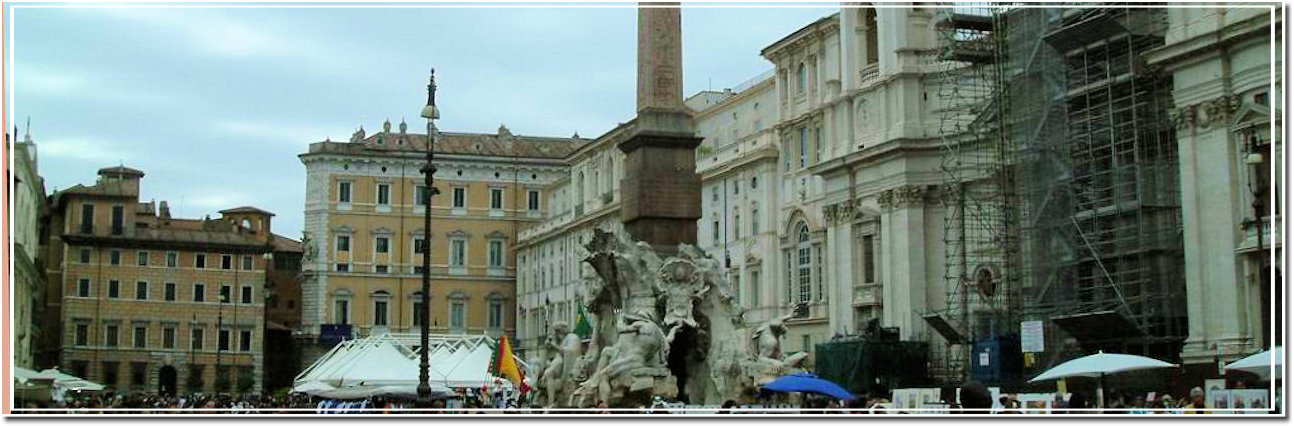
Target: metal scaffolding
(1060, 184)
(1102, 192)
(980, 220)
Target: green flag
(582, 326)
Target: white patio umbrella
(1263, 363)
(1098, 366)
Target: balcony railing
(868, 73)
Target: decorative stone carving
(902, 197)
(646, 312)
(1204, 115)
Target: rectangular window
(141, 290)
(169, 292)
(806, 342)
(196, 342)
(226, 293)
(383, 194)
(754, 221)
(817, 145)
(83, 287)
(458, 253)
(87, 218)
(199, 292)
(869, 259)
(715, 230)
(245, 341)
(141, 258)
(532, 201)
(82, 334)
(343, 192)
(110, 336)
(379, 312)
(456, 314)
(118, 215)
(341, 312)
(247, 263)
(819, 276)
(168, 337)
(805, 274)
(222, 340)
(114, 289)
(496, 254)
(141, 337)
(496, 315)
(419, 245)
(172, 259)
(382, 244)
(114, 257)
(460, 198)
(417, 311)
(496, 198)
(138, 373)
(381, 269)
(343, 243)
(247, 295)
(736, 226)
(754, 288)
(804, 147)
(343, 267)
(226, 261)
(420, 197)
(200, 261)
(85, 255)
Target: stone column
(905, 252)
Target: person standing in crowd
(1077, 403)
(975, 398)
(1196, 405)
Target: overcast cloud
(215, 104)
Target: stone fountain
(661, 328)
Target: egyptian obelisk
(661, 192)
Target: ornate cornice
(903, 197)
(1205, 115)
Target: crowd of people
(975, 398)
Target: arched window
(801, 79)
(803, 264)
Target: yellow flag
(506, 365)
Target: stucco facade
(146, 302)
(364, 219)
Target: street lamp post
(428, 171)
(1254, 160)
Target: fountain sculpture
(661, 327)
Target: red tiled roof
(246, 209)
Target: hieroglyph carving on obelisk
(660, 57)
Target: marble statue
(648, 311)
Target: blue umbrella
(807, 382)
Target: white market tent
(387, 364)
(68, 381)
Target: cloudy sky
(214, 104)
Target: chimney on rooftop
(164, 211)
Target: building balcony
(868, 74)
(867, 295)
(1250, 241)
